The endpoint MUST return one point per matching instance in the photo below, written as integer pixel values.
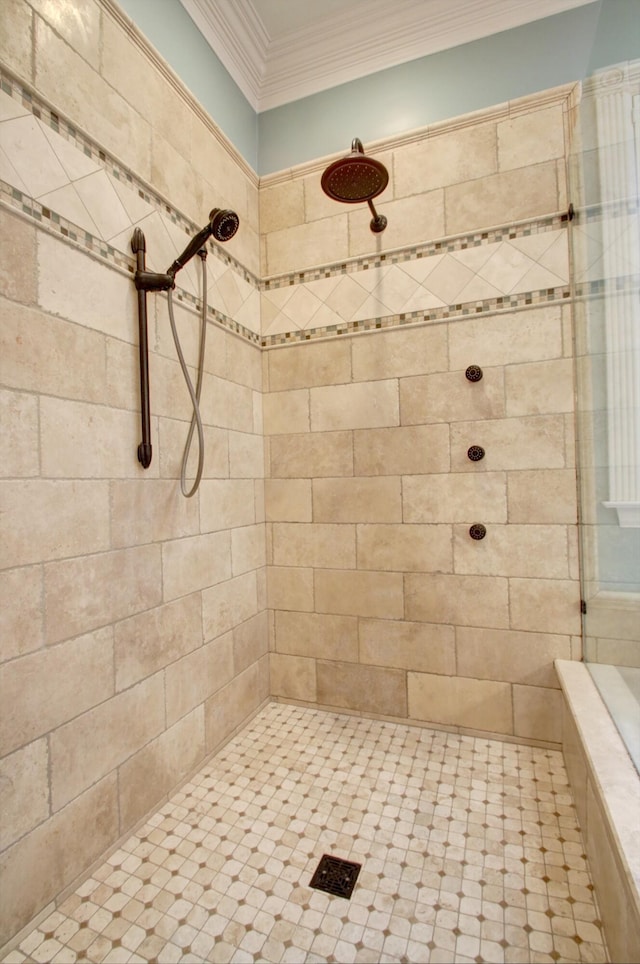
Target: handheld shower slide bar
(222, 226)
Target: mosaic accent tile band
(93, 201)
(470, 852)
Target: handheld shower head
(222, 226)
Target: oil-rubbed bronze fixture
(357, 178)
(475, 453)
(473, 373)
(222, 226)
(477, 531)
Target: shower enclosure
(605, 241)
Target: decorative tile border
(56, 224)
(448, 313)
(442, 246)
(46, 115)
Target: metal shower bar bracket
(145, 281)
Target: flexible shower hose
(196, 420)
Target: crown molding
(368, 36)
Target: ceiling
(278, 51)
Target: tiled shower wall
(134, 631)
(381, 601)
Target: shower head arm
(378, 222)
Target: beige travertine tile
(373, 594)
(246, 456)
(70, 429)
(451, 397)
(408, 450)
(230, 603)
(540, 387)
(106, 301)
(305, 245)
(545, 605)
(527, 192)
(464, 600)
(248, 548)
(195, 563)
(513, 657)
(318, 635)
(16, 38)
(17, 237)
(72, 605)
(38, 354)
(155, 770)
(225, 504)
(293, 677)
(150, 510)
(24, 791)
(194, 678)
(506, 339)
(537, 713)
(513, 550)
(19, 426)
(457, 701)
(250, 641)
(43, 862)
(365, 688)
(90, 591)
(410, 221)
(446, 158)
(81, 32)
(318, 545)
(90, 746)
(312, 455)
(288, 500)
(542, 496)
(357, 500)
(226, 404)
(405, 548)
(303, 366)
(286, 412)
(45, 689)
(618, 908)
(232, 705)
(423, 647)
(242, 360)
(400, 352)
(78, 90)
(455, 497)
(290, 588)
(529, 442)
(574, 760)
(172, 438)
(21, 611)
(361, 405)
(125, 67)
(281, 206)
(149, 641)
(531, 138)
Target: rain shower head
(357, 178)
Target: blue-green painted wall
(557, 50)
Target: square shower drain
(335, 876)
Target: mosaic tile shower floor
(470, 851)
